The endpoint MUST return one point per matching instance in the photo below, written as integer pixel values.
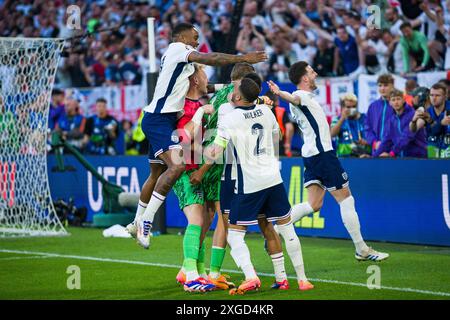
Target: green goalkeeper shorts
(211, 183)
(187, 193)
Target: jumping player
(160, 119)
(323, 171)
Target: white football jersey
(173, 80)
(229, 169)
(251, 131)
(313, 123)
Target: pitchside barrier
(398, 200)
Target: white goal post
(27, 72)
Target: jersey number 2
(258, 129)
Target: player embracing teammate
(323, 171)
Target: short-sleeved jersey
(313, 123)
(173, 79)
(229, 169)
(251, 130)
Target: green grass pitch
(112, 268)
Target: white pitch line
(24, 258)
(164, 265)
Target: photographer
(348, 129)
(71, 124)
(436, 120)
(102, 131)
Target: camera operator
(436, 120)
(348, 129)
(102, 131)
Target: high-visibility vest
(279, 113)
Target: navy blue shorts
(325, 170)
(272, 203)
(160, 131)
(226, 195)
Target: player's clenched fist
(255, 57)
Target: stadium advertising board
(396, 200)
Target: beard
(313, 85)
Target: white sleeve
(224, 127)
(180, 52)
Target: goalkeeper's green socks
(217, 256)
(191, 247)
(201, 262)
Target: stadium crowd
(332, 35)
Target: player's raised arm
(295, 100)
(223, 59)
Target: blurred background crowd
(332, 35)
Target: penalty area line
(164, 265)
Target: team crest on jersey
(345, 176)
(175, 139)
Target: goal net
(27, 73)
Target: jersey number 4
(258, 129)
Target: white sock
(191, 275)
(278, 266)
(239, 252)
(300, 210)
(155, 202)
(293, 248)
(140, 210)
(351, 223)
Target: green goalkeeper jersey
(211, 180)
(219, 98)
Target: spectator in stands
(416, 56)
(348, 129)
(102, 130)
(129, 71)
(285, 123)
(56, 108)
(375, 52)
(76, 67)
(436, 122)
(112, 73)
(394, 21)
(323, 60)
(282, 58)
(399, 140)
(220, 41)
(346, 53)
(379, 112)
(71, 125)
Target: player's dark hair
(240, 70)
(101, 100)
(181, 27)
(249, 89)
(297, 71)
(254, 76)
